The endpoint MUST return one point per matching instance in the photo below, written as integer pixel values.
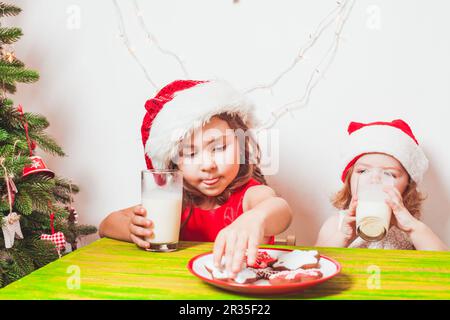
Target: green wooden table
(110, 269)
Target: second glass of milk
(373, 214)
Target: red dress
(204, 225)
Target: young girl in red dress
(202, 129)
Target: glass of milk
(162, 195)
(373, 214)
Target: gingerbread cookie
(297, 259)
(266, 273)
(300, 275)
(263, 260)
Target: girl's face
(380, 160)
(209, 158)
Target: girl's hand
(402, 218)
(241, 237)
(347, 223)
(140, 227)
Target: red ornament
(57, 238)
(37, 166)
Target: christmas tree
(36, 210)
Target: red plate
(328, 266)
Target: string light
(324, 24)
(152, 39)
(338, 16)
(126, 41)
(343, 10)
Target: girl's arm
(340, 229)
(264, 215)
(329, 235)
(116, 225)
(273, 212)
(423, 238)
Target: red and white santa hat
(393, 138)
(180, 108)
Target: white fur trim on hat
(189, 110)
(389, 140)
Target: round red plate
(328, 266)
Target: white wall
(93, 93)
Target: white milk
(164, 209)
(373, 217)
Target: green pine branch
(8, 10)
(15, 63)
(64, 190)
(10, 88)
(23, 260)
(23, 203)
(12, 119)
(36, 122)
(4, 135)
(11, 75)
(10, 35)
(47, 143)
(84, 230)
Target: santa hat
(393, 138)
(180, 108)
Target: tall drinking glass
(373, 214)
(162, 194)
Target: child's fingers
(141, 221)
(252, 250)
(140, 211)
(393, 192)
(394, 206)
(140, 232)
(399, 195)
(139, 242)
(394, 201)
(229, 249)
(239, 253)
(219, 248)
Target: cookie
(245, 276)
(297, 259)
(266, 273)
(296, 276)
(218, 274)
(263, 260)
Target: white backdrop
(392, 63)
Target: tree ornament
(11, 229)
(8, 55)
(37, 166)
(73, 215)
(57, 238)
